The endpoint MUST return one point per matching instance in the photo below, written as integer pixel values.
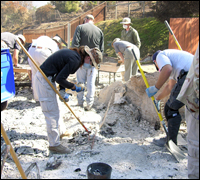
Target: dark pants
(172, 109)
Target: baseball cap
(95, 54)
(155, 55)
(20, 36)
(56, 38)
(115, 40)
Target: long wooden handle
(12, 152)
(55, 90)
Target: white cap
(20, 36)
(115, 40)
(126, 20)
(56, 38)
(89, 16)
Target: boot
(160, 142)
(173, 127)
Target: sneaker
(60, 149)
(160, 142)
(88, 107)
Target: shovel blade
(175, 150)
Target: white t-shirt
(177, 59)
(45, 41)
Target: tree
(164, 10)
(66, 6)
(44, 12)
(13, 13)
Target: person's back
(41, 48)
(10, 40)
(90, 35)
(177, 59)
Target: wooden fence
(186, 31)
(67, 30)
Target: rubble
(124, 141)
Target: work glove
(151, 91)
(79, 87)
(64, 95)
(157, 104)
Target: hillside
(153, 34)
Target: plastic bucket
(7, 76)
(99, 170)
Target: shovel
(171, 32)
(171, 146)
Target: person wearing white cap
(40, 49)
(90, 35)
(8, 40)
(57, 67)
(129, 33)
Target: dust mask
(87, 66)
(125, 26)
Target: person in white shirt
(173, 64)
(41, 48)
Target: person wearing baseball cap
(88, 34)
(129, 33)
(57, 68)
(58, 40)
(8, 40)
(173, 66)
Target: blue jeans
(88, 77)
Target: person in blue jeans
(90, 35)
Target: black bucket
(99, 171)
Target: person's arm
(121, 56)
(15, 56)
(102, 44)
(163, 76)
(76, 38)
(136, 39)
(167, 90)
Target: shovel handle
(171, 32)
(12, 152)
(152, 97)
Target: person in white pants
(57, 69)
(87, 74)
(41, 48)
(189, 95)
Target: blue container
(7, 76)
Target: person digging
(173, 64)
